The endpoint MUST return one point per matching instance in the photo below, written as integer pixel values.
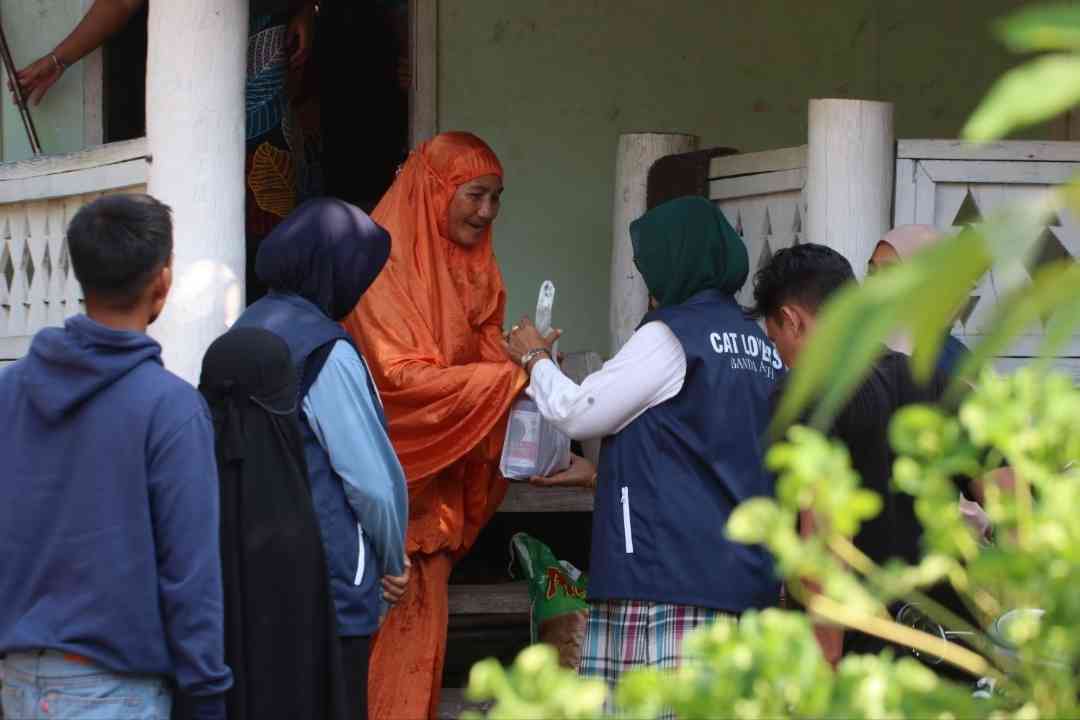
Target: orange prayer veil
(431, 324)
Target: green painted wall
(551, 84)
(33, 28)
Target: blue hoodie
(109, 511)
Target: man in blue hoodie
(110, 576)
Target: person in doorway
(317, 264)
(789, 292)
(111, 577)
(899, 244)
(431, 325)
(684, 408)
(280, 39)
(281, 630)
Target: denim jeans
(47, 685)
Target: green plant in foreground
(768, 664)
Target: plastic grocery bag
(533, 447)
(557, 607)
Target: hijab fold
(686, 246)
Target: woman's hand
(581, 473)
(394, 587)
(36, 78)
(523, 338)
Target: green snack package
(558, 609)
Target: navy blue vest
(310, 334)
(670, 479)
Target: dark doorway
(349, 105)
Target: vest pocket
(360, 555)
(628, 535)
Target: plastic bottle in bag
(533, 446)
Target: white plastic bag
(533, 447)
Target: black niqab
(327, 252)
(280, 627)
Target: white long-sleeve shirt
(649, 369)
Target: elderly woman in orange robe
(431, 327)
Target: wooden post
(636, 154)
(196, 67)
(849, 186)
(424, 54)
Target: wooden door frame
(424, 48)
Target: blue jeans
(47, 685)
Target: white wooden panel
(952, 193)
(759, 184)
(90, 158)
(767, 224)
(1000, 171)
(924, 197)
(77, 182)
(758, 162)
(37, 284)
(1043, 151)
(1068, 365)
(904, 199)
(13, 348)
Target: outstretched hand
(581, 473)
(524, 338)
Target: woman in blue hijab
(317, 264)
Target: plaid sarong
(625, 634)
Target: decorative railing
(37, 201)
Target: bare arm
(103, 20)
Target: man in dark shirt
(788, 292)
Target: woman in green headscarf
(683, 409)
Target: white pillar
(196, 67)
(636, 154)
(850, 166)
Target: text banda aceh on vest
(747, 352)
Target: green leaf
(1042, 27)
(1036, 91)
(752, 521)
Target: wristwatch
(532, 355)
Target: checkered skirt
(625, 634)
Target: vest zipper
(627, 534)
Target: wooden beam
(509, 598)
(851, 158)
(758, 162)
(195, 129)
(424, 50)
(522, 497)
(765, 183)
(1007, 150)
(131, 174)
(1000, 171)
(93, 68)
(94, 157)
